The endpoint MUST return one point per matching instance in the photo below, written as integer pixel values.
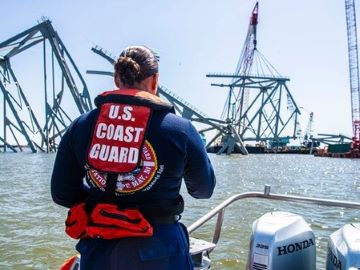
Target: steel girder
(332, 139)
(268, 114)
(19, 117)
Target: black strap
(111, 180)
(172, 219)
(157, 208)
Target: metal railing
(220, 209)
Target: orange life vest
(106, 221)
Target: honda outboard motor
(344, 248)
(282, 241)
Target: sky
(304, 40)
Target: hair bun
(135, 64)
(128, 69)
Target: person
(131, 154)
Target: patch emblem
(142, 176)
(97, 179)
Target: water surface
(32, 226)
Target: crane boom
(247, 55)
(353, 69)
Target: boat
(279, 240)
(282, 240)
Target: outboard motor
(281, 241)
(344, 248)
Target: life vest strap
(161, 208)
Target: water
(32, 226)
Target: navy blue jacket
(179, 151)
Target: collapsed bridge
(62, 89)
(259, 107)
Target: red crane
(354, 71)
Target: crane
(309, 134)
(244, 65)
(255, 107)
(309, 129)
(354, 71)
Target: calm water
(31, 225)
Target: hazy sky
(304, 39)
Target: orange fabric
(108, 222)
(70, 263)
(76, 221)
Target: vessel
(279, 240)
(282, 240)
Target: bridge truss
(266, 113)
(36, 115)
(259, 106)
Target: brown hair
(135, 64)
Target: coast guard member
(119, 169)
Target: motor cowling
(344, 248)
(281, 241)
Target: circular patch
(97, 179)
(141, 177)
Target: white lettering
(94, 152)
(104, 152)
(148, 163)
(119, 133)
(110, 132)
(123, 154)
(114, 154)
(133, 155)
(101, 130)
(135, 183)
(113, 111)
(127, 113)
(141, 178)
(129, 136)
(116, 133)
(137, 135)
(146, 153)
